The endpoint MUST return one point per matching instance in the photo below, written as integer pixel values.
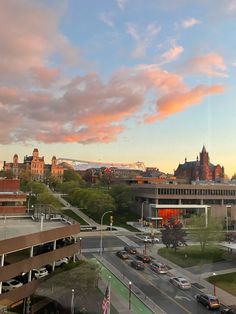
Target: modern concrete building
(182, 200)
(24, 263)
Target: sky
(119, 80)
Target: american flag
(106, 302)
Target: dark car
(137, 264)
(122, 254)
(130, 249)
(143, 257)
(228, 311)
(209, 301)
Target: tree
(49, 199)
(72, 175)
(205, 234)
(173, 234)
(122, 196)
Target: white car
(159, 267)
(148, 239)
(39, 273)
(181, 282)
(62, 262)
(11, 284)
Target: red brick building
(35, 166)
(200, 170)
(12, 200)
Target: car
(61, 262)
(143, 257)
(209, 301)
(228, 311)
(148, 239)
(180, 282)
(130, 249)
(137, 264)
(122, 254)
(39, 273)
(159, 267)
(11, 284)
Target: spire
(204, 149)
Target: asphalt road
(157, 287)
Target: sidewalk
(198, 280)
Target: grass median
(226, 282)
(191, 255)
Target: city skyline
(119, 80)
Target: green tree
(122, 196)
(205, 234)
(100, 202)
(68, 186)
(173, 234)
(72, 175)
(48, 198)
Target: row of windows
(174, 191)
(34, 165)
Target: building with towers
(35, 167)
(200, 170)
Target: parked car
(159, 267)
(148, 239)
(209, 301)
(122, 254)
(137, 264)
(180, 282)
(143, 257)
(39, 273)
(228, 311)
(11, 284)
(130, 249)
(61, 262)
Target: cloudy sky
(119, 80)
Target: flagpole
(109, 293)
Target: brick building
(200, 170)
(35, 166)
(12, 200)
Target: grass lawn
(226, 282)
(191, 255)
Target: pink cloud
(85, 109)
(45, 76)
(211, 64)
(171, 55)
(179, 101)
(27, 42)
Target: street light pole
(130, 290)
(214, 286)
(142, 211)
(109, 211)
(80, 241)
(227, 218)
(72, 308)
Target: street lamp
(80, 241)
(142, 211)
(72, 308)
(214, 286)
(227, 218)
(130, 291)
(109, 211)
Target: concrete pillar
(30, 272)
(2, 264)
